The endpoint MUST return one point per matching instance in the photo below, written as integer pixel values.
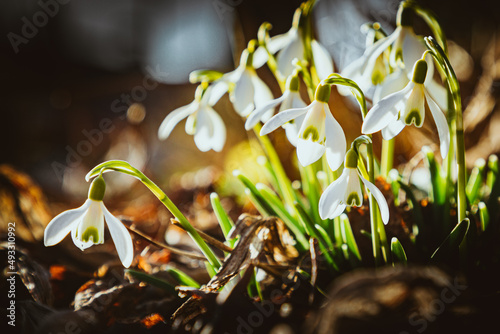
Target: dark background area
(88, 61)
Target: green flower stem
(375, 220)
(311, 189)
(285, 186)
(207, 251)
(462, 173)
(457, 126)
(387, 158)
(126, 168)
(313, 231)
(377, 227)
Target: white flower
(319, 132)
(290, 45)
(346, 191)
(86, 225)
(248, 90)
(290, 99)
(398, 79)
(369, 69)
(407, 106)
(203, 122)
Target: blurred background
(85, 81)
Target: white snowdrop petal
(394, 82)
(322, 60)
(59, 227)
(278, 42)
(219, 130)
(262, 93)
(393, 129)
(379, 197)
(309, 151)
(413, 48)
(216, 90)
(293, 50)
(332, 197)
(121, 237)
(281, 118)
(438, 93)
(242, 96)
(260, 57)
(335, 141)
(382, 113)
(441, 124)
(353, 187)
(174, 117)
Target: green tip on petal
(322, 93)
(311, 133)
(90, 232)
(377, 78)
(351, 159)
(292, 82)
(420, 71)
(353, 199)
(413, 117)
(97, 189)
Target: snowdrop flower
(406, 107)
(318, 133)
(290, 99)
(86, 225)
(203, 122)
(398, 79)
(407, 48)
(247, 90)
(290, 45)
(346, 191)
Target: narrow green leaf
(257, 197)
(312, 230)
(472, 190)
(450, 245)
(436, 192)
(398, 252)
(484, 216)
(348, 236)
(143, 277)
(225, 222)
(182, 277)
(493, 184)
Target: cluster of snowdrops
(395, 79)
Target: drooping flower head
(346, 192)
(86, 225)
(297, 44)
(246, 90)
(406, 107)
(319, 133)
(203, 122)
(406, 48)
(290, 99)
